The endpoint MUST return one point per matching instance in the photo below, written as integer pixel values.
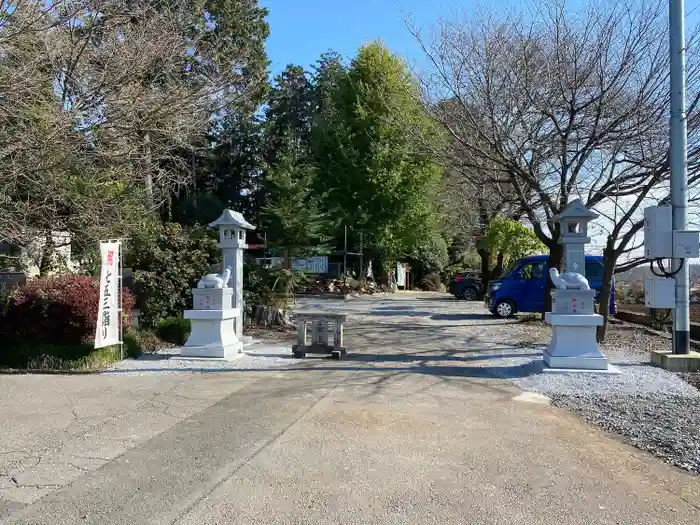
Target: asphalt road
(408, 430)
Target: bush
(140, 340)
(431, 282)
(267, 292)
(59, 310)
(174, 330)
(629, 293)
(167, 262)
(53, 317)
(272, 287)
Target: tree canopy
(374, 175)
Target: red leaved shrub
(57, 310)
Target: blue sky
(300, 30)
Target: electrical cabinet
(658, 232)
(686, 244)
(660, 292)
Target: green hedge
(174, 330)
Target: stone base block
(613, 370)
(228, 352)
(574, 344)
(573, 320)
(212, 298)
(312, 348)
(575, 362)
(676, 362)
(212, 334)
(337, 352)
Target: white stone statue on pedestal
(574, 346)
(217, 314)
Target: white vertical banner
(107, 333)
(400, 275)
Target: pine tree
(294, 221)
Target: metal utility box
(659, 293)
(686, 244)
(658, 232)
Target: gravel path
(665, 425)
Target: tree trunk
(556, 256)
(498, 269)
(381, 277)
(146, 139)
(485, 266)
(609, 260)
(267, 316)
(47, 253)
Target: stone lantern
(232, 241)
(573, 223)
(574, 322)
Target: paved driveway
(409, 429)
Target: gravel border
(255, 356)
(665, 425)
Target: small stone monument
(573, 318)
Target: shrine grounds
(439, 415)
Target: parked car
(467, 286)
(521, 287)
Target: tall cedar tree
(374, 175)
(294, 222)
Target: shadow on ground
(408, 311)
(415, 363)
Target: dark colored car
(467, 286)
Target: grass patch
(529, 318)
(43, 357)
(68, 358)
(143, 340)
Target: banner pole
(121, 300)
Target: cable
(664, 272)
(670, 274)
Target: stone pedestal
(212, 320)
(574, 325)
(573, 302)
